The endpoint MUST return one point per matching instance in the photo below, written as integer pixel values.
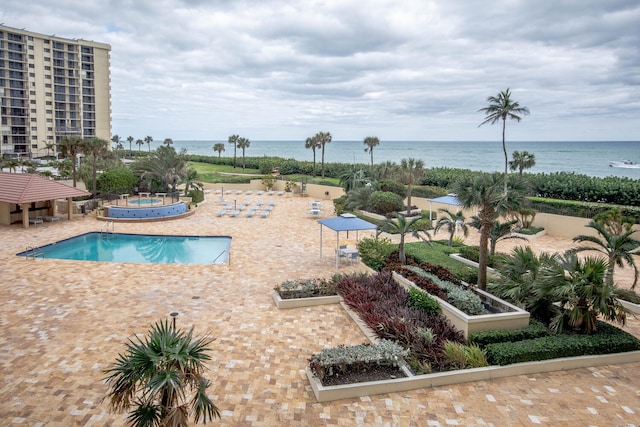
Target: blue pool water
(140, 248)
(143, 201)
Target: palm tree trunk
(323, 160)
(371, 151)
(504, 150)
(409, 199)
(314, 162)
(482, 261)
(401, 255)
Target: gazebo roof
(347, 222)
(449, 199)
(22, 188)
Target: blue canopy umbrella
(345, 222)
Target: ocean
(581, 157)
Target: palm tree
(130, 140)
(484, 193)
(162, 169)
(519, 275)
(613, 240)
(502, 108)
(579, 288)
(401, 225)
(49, 146)
(354, 178)
(411, 170)
(168, 141)
(218, 148)
(386, 170)
(159, 378)
(243, 143)
(499, 231)
(148, 140)
(116, 140)
(452, 223)
(191, 181)
(233, 139)
(70, 147)
(371, 142)
(139, 143)
(312, 143)
(95, 147)
(522, 161)
(323, 138)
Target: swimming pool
(139, 248)
(140, 202)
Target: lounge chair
(246, 202)
(280, 193)
(249, 192)
(228, 192)
(250, 213)
(260, 193)
(50, 218)
(272, 202)
(35, 221)
(234, 213)
(259, 203)
(264, 214)
(239, 192)
(271, 192)
(221, 212)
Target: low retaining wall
(147, 213)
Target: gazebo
(25, 191)
(449, 199)
(345, 222)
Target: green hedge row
(534, 330)
(579, 209)
(607, 340)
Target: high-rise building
(51, 88)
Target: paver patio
(63, 322)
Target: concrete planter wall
(634, 308)
(304, 302)
(457, 257)
(412, 382)
(512, 318)
(530, 237)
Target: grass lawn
(438, 253)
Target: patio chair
(264, 214)
(35, 221)
(221, 212)
(250, 213)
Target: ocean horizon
(581, 157)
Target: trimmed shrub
(384, 202)
(307, 288)
(534, 330)
(196, 195)
(120, 180)
(607, 340)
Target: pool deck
(63, 322)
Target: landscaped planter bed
(462, 259)
(304, 302)
(512, 317)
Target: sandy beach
(64, 322)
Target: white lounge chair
(234, 213)
(272, 202)
(280, 193)
(50, 218)
(250, 213)
(35, 221)
(264, 214)
(221, 212)
(271, 192)
(249, 192)
(260, 193)
(239, 192)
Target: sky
(399, 70)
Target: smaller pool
(141, 202)
(140, 248)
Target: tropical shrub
(196, 195)
(307, 288)
(373, 252)
(383, 202)
(461, 356)
(423, 301)
(341, 360)
(120, 180)
(392, 186)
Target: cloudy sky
(399, 70)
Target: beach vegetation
(148, 139)
(385, 203)
(218, 148)
(159, 379)
(243, 143)
(323, 138)
(312, 143)
(162, 170)
(521, 161)
(233, 139)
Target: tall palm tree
(412, 170)
(579, 288)
(501, 107)
(402, 226)
(386, 170)
(313, 143)
(159, 378)
(614, 241)
(499, 231)
(191, 181)
(452, 222)
(168, 141)
(218, 148)
(521, 161)
(116, 140)
(483, 192)
(148, 140)
(130, 140)
(95, 147)
(233, 139)
(243, 144)
(371, 142)
(162, 169)
(323, 139)
(49, 146)
(139, 143)
(71, 146)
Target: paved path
(63, 322)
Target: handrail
(219, 255)
(105, 227)
(31, 250)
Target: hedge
(534, 330)
(607, 340)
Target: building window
(47, 85)
(47, 50)
(32, 92)
(49, 120)
(49, 112)
(47, 67)
(33, 110)
(30, 47)
(31, 57)
(34, 138)
(34, 128)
